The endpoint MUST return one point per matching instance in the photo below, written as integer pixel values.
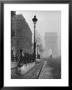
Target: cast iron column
(34, 21)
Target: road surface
(41, 70)
(33, 73)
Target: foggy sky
(48, 21)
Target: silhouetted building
(22, 38)
(51, 43)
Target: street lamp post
(37, 50)
(34, 19)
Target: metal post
(37, 51)
(34, 43)
(34, 21)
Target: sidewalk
(26, 68)
(21, 70)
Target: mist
(49, 29)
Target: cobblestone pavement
(46, 72)
(41, 70)
(33, 73)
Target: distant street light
(34, 19)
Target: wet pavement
(41, 70)
(33, 73)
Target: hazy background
(48, 28)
